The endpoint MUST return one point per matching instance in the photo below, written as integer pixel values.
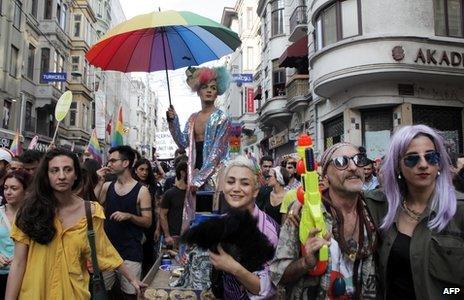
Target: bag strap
(91, 237)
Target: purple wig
(444, 197)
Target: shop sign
(437, 57)
(250, 100)
(242, 78)
(279, 139)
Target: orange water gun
(309, 196)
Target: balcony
(297, 92)
(273, 113)
(298, 23)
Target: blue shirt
(6, 243)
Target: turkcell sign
(242, 78)
(53, 77)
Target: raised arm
(179, 137)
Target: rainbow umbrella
(165, 40)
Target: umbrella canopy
(162, 40)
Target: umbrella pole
(166, 66)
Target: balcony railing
(298, 86)
(299, 17)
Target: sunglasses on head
(342, 162)
(432, 158)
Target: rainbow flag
(117, 137)
(16, 147)
(93, 148)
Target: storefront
(333, 131)
(447, 120)
(377, 126)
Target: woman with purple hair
(421, 222)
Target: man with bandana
(351, 237)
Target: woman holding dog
(240, 189)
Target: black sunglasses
(342, 162)
(432, 158)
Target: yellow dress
(58, 270)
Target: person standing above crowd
(421, 223)
(15, 186)
(128, 211)
(50, 234)
(269, 200)
(172, 205)
(370, 180)
(351, 237)
(143, 173)
(31, 160)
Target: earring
(399, 176)
(438, 174)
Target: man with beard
(290, 165)
(351, 236)
(127, 206)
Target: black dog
(239, 236)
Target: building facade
(376, 66)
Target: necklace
(409, 212)
(351, 243)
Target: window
(34, 8)
(28, 115)
(77, 25)
(249, 18)
(14, 61)
(17, 14)
(338, 21)
(278, 79)
(277, 17)
(44, 62)
(449, 18)
(72, 114)
(48, 9)
(30, 62)
(6, 113)
(265, 33)
(75, 64)
(61, 14)
(249, 58)
(84, 117)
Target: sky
(185, 102)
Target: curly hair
(36, 216)
(196, 77)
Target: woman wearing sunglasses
(421, 223)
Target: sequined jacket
(215, 147)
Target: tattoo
(145, 209)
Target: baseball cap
(5, 155)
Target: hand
(223, 261)
(193, 189)
(171, 113)
(120, 216)
(312, 245)
(293, 215)
(169, 241)
(139, 286)
(102, 172)
(4, 261)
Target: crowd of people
(394, 226)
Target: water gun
(309, 196)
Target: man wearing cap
(351, 238)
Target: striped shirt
(232, 287)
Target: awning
(296, 54)
(258, 93)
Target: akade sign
(435, 57)
(279, 139)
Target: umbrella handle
(163, 34)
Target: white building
(376, 65)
